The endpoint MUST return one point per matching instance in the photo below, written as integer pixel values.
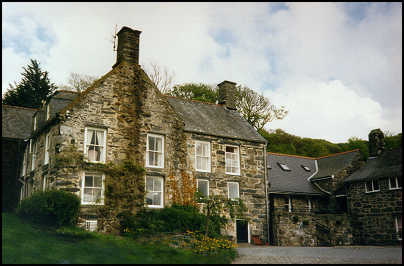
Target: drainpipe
(317, 186)
(266, 189)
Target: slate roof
(388, 164)
(293, 181)
(16, 121)
(331, 164)
(57, 102)
(214, 119)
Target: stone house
(305, 204)
(16, 128)
(123, 117)
(374, 194)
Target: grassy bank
(25, 243)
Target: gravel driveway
(318, 255)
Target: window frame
(309, 205)
(44, 181)
(83, 187)
(209, 156)
(33, 155)
(91, 225)
(46, 158)
(373, 190)
(35, 122)
(396, 183)
(203, 180)
(162, 192)
(290, 206)
(103, 154)
(228, 190)
(47, 111)
(397, 228)
(238, 159)
(24, 163)
(147, 150)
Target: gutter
(317, 186)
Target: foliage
(357, 143)
(24, 244)
(33, 88)
(52, 207)
(78, 82)
(170, 219)
(183, 192)
(215, 208)
(161, 77)
(256, 108)
(195, 91)
(393, 141)
(202, 244)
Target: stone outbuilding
(304, 205)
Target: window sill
(374, 191)
(91, 203)
(155, 167)
(395, 188)
(202, 171)
(154, 206)
(232, 173)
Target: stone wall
(251, 179)
(373, 213)
(128, 106)
(304, 227)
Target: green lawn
(25, 243)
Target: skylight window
(306, 168)
(284, 167)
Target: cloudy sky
(337, 67)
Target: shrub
(52, 208)
(176, 218)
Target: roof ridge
(190, 100)
(67, 91)
(292, 155)
(335, 154)
(313, 158)
(19, 107)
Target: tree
(257, 109)
(195, 91)
(162, 77)
(78, 82)
(33, 88)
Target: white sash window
(232, 158)
(46, 149)
(92, 187)
(155, 151)
(154, 192)
(203, 187)
(94, 144)
(233, 190)
(202, 156)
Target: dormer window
(306, 168)
(284, 167)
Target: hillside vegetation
(280, 141)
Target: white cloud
(325, 110)
(315, 46)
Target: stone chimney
(128, 46)
(227, 94)
(376, 142)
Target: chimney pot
(128, 46)
(227, 94)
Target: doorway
(242, 231)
